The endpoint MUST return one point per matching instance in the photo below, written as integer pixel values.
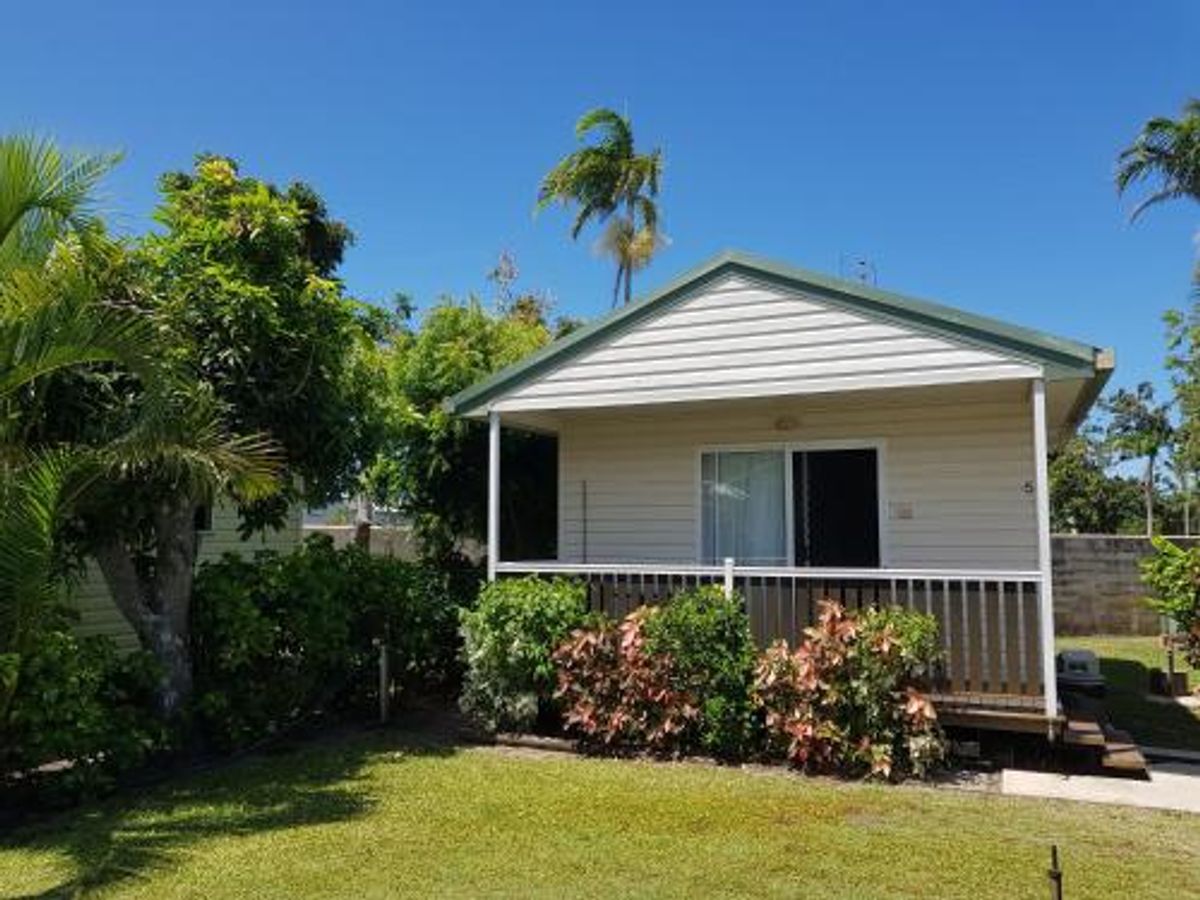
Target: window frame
(879, 445)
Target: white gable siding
(958, 459)
(740, 338)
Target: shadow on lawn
(1158, 723)
(310, 783)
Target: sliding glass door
(790, 507)
(744, 513)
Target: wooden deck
(995, 712)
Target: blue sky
(966, 149)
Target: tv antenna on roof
(857, 268)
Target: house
(797, 437)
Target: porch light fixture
(787, 423)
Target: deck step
(1121, 755)
(1082, 733)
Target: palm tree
(610, 182)
(1167, 150)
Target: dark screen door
(836, 496)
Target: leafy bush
(1173, 575)
(508, 639)
(707, 637)
(620, 694)
(281, 636)
(81, 705)
(849, 699)
(672, 678)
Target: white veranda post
(493, 496)
(1046, 593)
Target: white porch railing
(989, 621)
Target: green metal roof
(1060, 358)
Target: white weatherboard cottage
(797, 437)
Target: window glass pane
(743, 514)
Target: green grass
(381, 815)
(1126, 663)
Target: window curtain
(743, 513)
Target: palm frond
(35, 495)
(1167, 151)
(45, 193)
(180, 441)
(51, 319)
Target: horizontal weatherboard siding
(739, 338)
(959, 458)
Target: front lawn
(1126, 662)
(387, 815)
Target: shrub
(619, 693)
(1173, 575)
(707, 637)
(849, 699)
(672, 678)
(279, 637)
(77, 701)
(508, 639)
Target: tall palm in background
(54, 318)
(611, 183)
(1167, 151)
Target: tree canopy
(434, 467)
(243, 276)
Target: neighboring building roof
(1060, 358)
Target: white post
(1046, 592)
(729, 576)
(493, 497)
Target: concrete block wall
(1097, 584)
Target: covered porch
(954, 521)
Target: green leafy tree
(610, 183)
(244, 277)
(1140, 428)
(434, 467)
(62, 330)
(240, 284)
(1085, 496)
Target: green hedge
(282, 636)
(82, 710)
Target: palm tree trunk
(617, 284)
(1150, 496)
(628, 283)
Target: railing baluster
(966, 635)
(1021, 660)
(1003, 628)
(793, 636)
(949, 629)
(985, 658)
